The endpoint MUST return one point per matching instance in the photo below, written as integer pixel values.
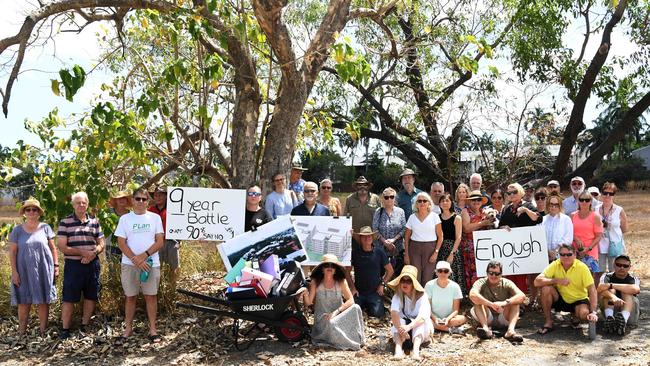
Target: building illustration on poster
(323, 235)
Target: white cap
(593, 189)
(578, 178)
(553, 182)
(443, 265)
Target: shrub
(621, 172)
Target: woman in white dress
(615, 224)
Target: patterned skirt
(457, 267)
(469, 262)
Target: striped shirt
(80, 235)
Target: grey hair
(476, 175)
(427, 197)
(80, 194)
(326, 180)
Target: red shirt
(162, 213)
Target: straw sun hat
(410, 272)
(121, 194)
(329, 259)
(30, 202)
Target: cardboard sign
(276, 237)
(521, 250)
(205, 213)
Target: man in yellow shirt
(567, 285)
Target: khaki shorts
(169, 254)
(131, 284)
(499, 322)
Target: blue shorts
(81, 279)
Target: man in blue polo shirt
(409, 191)
(80, 239)
(309, 207)
(369, 262)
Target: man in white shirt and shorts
(140, 236)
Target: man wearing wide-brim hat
(362, 204)
(296, 183)
(369, 262)
(406, 196)
(120, 203)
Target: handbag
(616, 248)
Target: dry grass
(637, 239)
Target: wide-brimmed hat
(412, 273)
(361, 181)
(30, 202)
(475, 195)
(121, 194)
(298, 167)
(331, 259)
(365, 231)
(407, 171)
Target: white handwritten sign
(521, 250)
(205, 213)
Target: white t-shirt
(140, 233)
(442, 299)
(423, 230)
(421, 308)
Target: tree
(227, 40)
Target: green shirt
(361, 213)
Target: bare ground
(193, 338)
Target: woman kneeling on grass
(410, 314)
(34, 266)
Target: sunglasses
(551, 204)
(576, 183)
(389, 197)
(253, 194)
(328, 265)
(309, 191)
(141, 199)
(497, 198)
(406, 280)
(594, 194)
(569, 254)
(540, 197)
(607, 193)
(326, 188)
(422, 201)
(442, 270)
(495, 274)
(510, 193)
(622, 265)
(553, 186)
(584, 200)
(31, 209)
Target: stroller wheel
(288, 334)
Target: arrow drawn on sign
(512, 266)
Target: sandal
(544, 330)
(155, 338)
(514, 338)
(484, 334)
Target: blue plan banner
(520, 250)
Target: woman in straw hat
(34, 265)
(473, 219)
(336, 323)
(121, 204)
(410, 313)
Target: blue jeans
(371, 303)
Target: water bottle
(144, 275)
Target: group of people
(402, 239)
(137, 245)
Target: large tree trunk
(587, 168)
(576, 123)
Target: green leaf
(54, 84)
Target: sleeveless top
(448, 228)
(613, 232)
(586, 229)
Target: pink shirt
(586, 230)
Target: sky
(33, 99)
